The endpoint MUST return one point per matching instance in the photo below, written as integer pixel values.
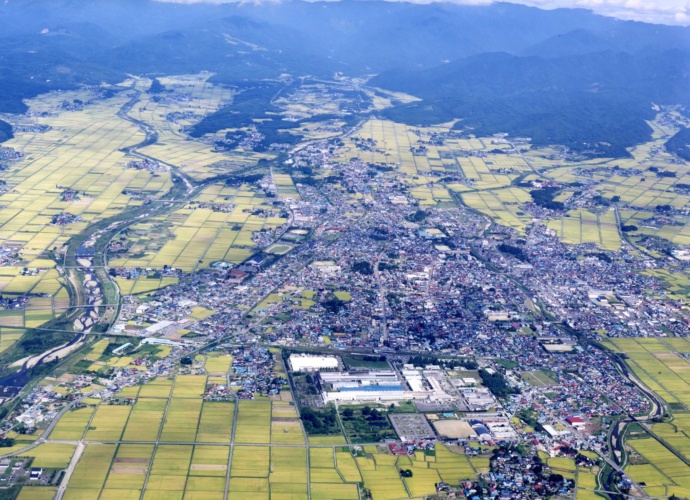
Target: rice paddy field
(664, 474)
(78, 167)
(167, 442)
(660, 363)
(74, 167)
(491, 173)
(196, 159)
(584, 226)
(217, 225)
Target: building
(378, 385)
(121, 349)
(576, 422)
(366, 393)
(312, 363)
(154, 341)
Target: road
(70, 470)
(46, 433)
(382, 301)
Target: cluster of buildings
(64, 218)
(148, 165)
(253, 372)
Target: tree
(156, 87)
(363, 267)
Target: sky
(652, 11)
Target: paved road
(70, 469)
(46, 433)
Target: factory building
(374, 385)
(312, 363)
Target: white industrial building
(375, 385)
(339, 380)
(312, 363)
(478, 399)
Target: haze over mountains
(565, 76)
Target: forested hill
(5, 131)
(581, 101)
(560, 76)
(679, 144)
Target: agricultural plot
(215, 424)
(218, 225)
(663, 469)
(51, 455)
(157, 388)
(254, 422)
(72, 425)
(169, 471)
(492, 172)
(37, 493)
(250, 462)
(326, 480)
(81, 153)
(90, 474)
(288, 474)
(9, 336)
(286, 430)
(128, 470)
(382, 477)
(189, 386)
(677, 280)
(182, 420)
(197, 159)
(145, 419)
(216, 364)
(659, 366)
(494, 205)
(108, 423)
(207, 473)
(583, 226)
(285, 187)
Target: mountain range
(564, 75)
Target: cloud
(652, 11)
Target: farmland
(167, 441)
(180, 435)
(660, 363)
(75, 167)
(81, 167)
(489, 176)
(217, 225)
(197, 159)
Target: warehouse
(312, 363)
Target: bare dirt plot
(128, 469)
(454, 429)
